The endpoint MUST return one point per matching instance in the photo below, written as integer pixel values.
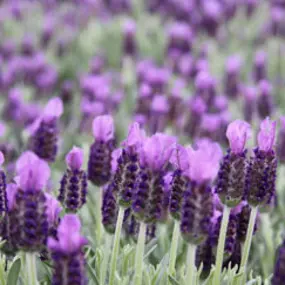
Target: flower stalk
(173, 249)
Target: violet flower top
(52, 110)
(74, 158)
(103, 128)
(204, 161)
(233, 64)
(266, 135)
(25, 159)
(34, 176)
(156, 151)
(53, 208)
(238, 132)
(135, 136)
(69, 237)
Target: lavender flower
(28, 204)
(180, 181)
(249, 105)
(67, 253)
(197, 207)
(231, 176)
(261, 173)
(128, 165)
(148, 199)
(129, 40)
(73, 185)
(264, 99)
(232, 77)
(99, 164)
(281, 141)
(260, 68)
(44, 131)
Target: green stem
(139, 255)
(99, 215)
(247, 243)
(106, 257)
(221, 245)
(31, 268)
(173, 249)
(190, 265)
(2, 270)
(116, 246)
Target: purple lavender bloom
(129, 38)
(281, 141)
(231, 177)
(27, 204)
(205, 255)
(73, 185)
(260, 66)
(180, 38)
(180, 181)
(197, 207)
(205, 86)
(158, 114)
(3, 195)
(128, 165)
(100, 156)
(250, 7)
(148, 199)
(249, 104)
(212, 16)
(261, 172)
(67, 253)
(264, 99)
(66, 92)
(193, 122)
(232, 77)
(44, 131)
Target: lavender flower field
(142, 142)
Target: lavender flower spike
(3, 195)
(29, 210)
(197, 207)
(128, 165)
(279, 276)
(67, 253)
(261, 174)
(148, 199)
(44, 131)
(231, 177)
(73, 185)
(99, 164)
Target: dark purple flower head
(231, 179)
(73, 185)
(67, 252)
(129, 33)
(205, 86)
(179, 181)
(44, 131)
(100, 157)
(264, 99)
(261, 173)
(260, 66)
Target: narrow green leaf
(14, 272)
